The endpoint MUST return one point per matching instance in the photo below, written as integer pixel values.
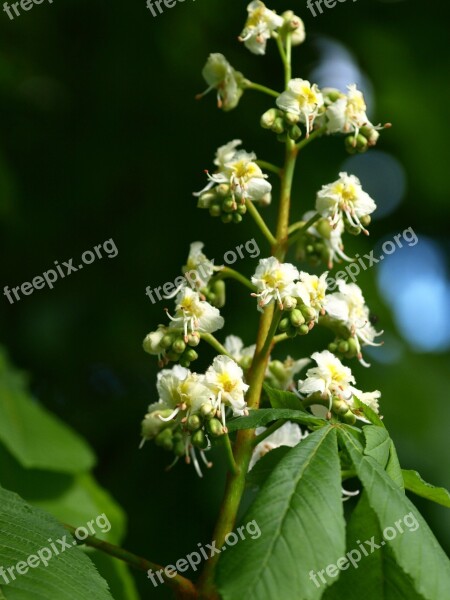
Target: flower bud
(206, 199)
(199, 439)
(222, 190)
(207, 410)
(295, 132)
(277, 369)
(246, 362)
(215, 210)
(303, 330)
(289, 303)
(291, 118)
(308, 312)
(164, 439)
(352, 229)
(349, 418)
(296, 318)
(215, 428)
(332, 347)
(284, 325)
(340, 406)
(278, 125)
(237, 218)
(194, 423)
(193, 340)
(179, 346)
(241, 209)
(365, 220)
(190, 355)
(227, 218)
(167, 341)
(324, 228)
(268, 118)
(228, 205)
(343, 347)
(179, 448)
(353, 348)
(371, 135)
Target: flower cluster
(238, 178)
(191, 408)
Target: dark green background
(100, 137)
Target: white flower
(193, 314)
(316, 288)
(349, 307)
(288, 434)
(345, 196)
(239, 170)
(225, 379)
(220, 75)
(235, 346)
(303, 99)
(198, 262)
(368, 398)
(330, 377)
(181, 390)
(274, 281)
(260, 25)
(348, 113)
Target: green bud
(237, 218)
(215, 428)
(295, 132)
(361, 143)
(308, 312)
(190, 355)
(173, 356)
(184, 362)
(215, 210)
(277, 369)
(292, 331)
(179, 448)
(278, 125)
(284, 325)
(219, 289)
(228, 205)
(179, 346)
(340, 407)
(241, 209)
(296, 318)
(343, 347)
(282, 137)
(199, 439)
(207, 411)
(350, 144)
(164, 439)
(365, 221)
(222, 190)
(349, 418)
(334, 95)
(246, 362)
(206, 200)
(226, 218)
(291, 118)
(352, 229)
(268, 118)
(324, 228)
(352, 347)
(166, 341)
(194, 423)
(211, 297)
(332, 347)
(303, 330)
(193, 340)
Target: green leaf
(370, 414)
(265, 465)
(262, 416)
(417, 552)
(74, 499)
(117, 574)
(375, 576)
(300, 515)
(414, 483)
(34, 436)
(282, 399)
(26, 531)
(380, 446)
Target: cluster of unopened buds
(192, 409)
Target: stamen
(171, 416)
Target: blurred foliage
(100, 137)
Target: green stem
(260, 222)
(212, 341)
(273, 328)
(348, 475)
(262, 436)
(183, 588)
(281, 337)
(230, 456)
(228, 273)
(304, 228)
(249, 85)
(314, 135)
(269, 167)
(285, 202)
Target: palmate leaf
(300, 515)
(420, 557)
(380, 446)
(282, 399)
(24, 531)
(34, 436)
(376, 576)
